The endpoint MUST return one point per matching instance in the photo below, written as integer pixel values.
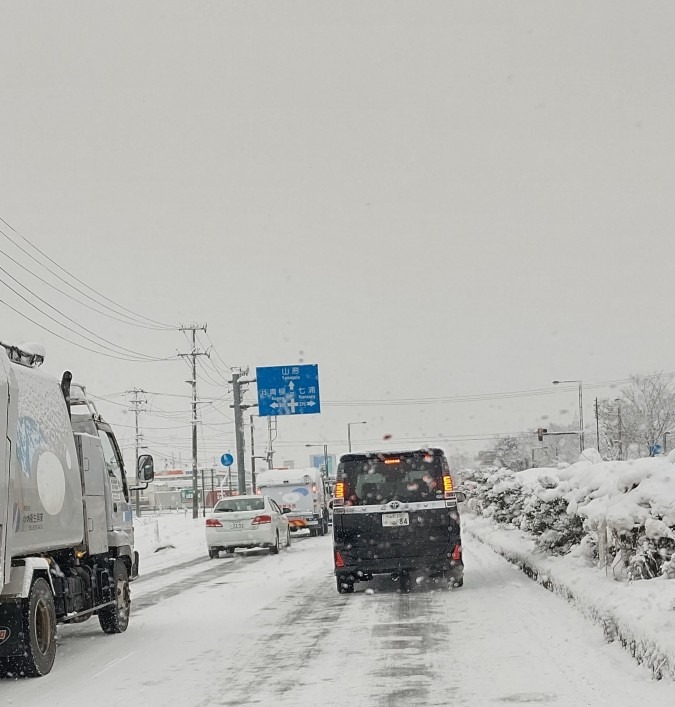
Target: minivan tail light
(213, 523)
(260, 520)
(339, 562)
(448, 486)
(339, 499)
(457, 553)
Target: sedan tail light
(259, 520)
(213, 523)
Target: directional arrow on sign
(291, 386)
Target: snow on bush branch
(618, 513)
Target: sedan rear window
(380, 479)
(239, 504)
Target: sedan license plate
(235, 526)
(393, 520)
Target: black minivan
(396, 513)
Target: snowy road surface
(271, 630)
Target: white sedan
(246, 521)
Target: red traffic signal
(541, 431)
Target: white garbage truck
(301, 494)
(66, 530)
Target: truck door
(119, 510)
(5, 456)
(89, 454)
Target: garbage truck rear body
(66, 527)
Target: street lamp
(325, 456)
(349, 432)
(581, 410)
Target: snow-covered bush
(614, 513)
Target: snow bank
(165, 540)
(619, 513)
(641, 615)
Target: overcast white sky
(425, 198)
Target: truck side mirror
(146, 469)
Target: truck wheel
(39, 622)
(115, 618)
(213, 552)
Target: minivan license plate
(392, 520)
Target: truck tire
(115, 618)
(39, 624)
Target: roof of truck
(276, 477)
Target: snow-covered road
(272, 631)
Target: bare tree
(642, 415)
(511, 453)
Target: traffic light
(540, 433)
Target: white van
(300, 491)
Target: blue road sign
(288, 390)
(227, 460)
(656, 450)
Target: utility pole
(240, 443)
(136, 409)
(271, 436)
(194, 328)
(620, 440)
(253, 489)
(597, 424)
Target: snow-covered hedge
(618, 513)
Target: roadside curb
(645, 650)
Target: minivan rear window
(239, 504)
(380, 479)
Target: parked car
(247, 522)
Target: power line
(70, 319)
(74, 343)
(74, 277)
(75, 299)
(480, 397)
(215, 350)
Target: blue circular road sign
(227, 460)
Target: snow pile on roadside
(619, 512)
(168, 539)
(641, 615)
